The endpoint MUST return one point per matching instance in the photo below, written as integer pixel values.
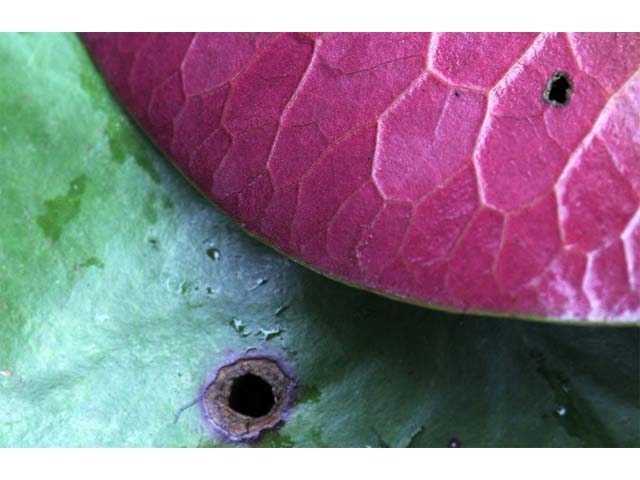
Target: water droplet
(269, 333)
(213, 253)
(454, 443)
(211, 291)
(259, 282)
(240, 327)
(561, 411)
(185, 287)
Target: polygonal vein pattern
(425, 166)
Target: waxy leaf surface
(427, 167)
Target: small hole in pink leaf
(558, 90)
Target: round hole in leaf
(558, 89)
(247, 397)
(251, 395)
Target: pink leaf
(495, 172)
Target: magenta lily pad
(472, 172)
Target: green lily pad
(122, 290)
